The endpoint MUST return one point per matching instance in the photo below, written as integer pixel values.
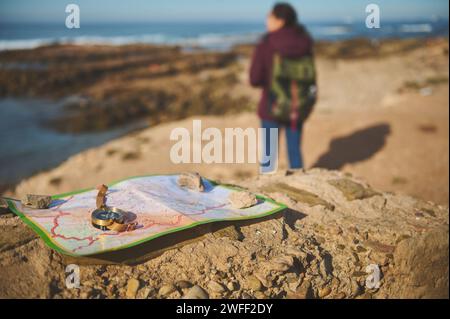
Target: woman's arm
(258, 68)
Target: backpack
(293, 90)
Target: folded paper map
(157, 204)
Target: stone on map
(192, 181)
(37, 201)
(242, 199)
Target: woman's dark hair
(286, 12)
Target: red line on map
(89, 244)
(91, 240)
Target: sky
(116, 11)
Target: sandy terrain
(335, 227)
(382, 118)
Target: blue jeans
(293, 138)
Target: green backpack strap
(292, 76)
(301, 69)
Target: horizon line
(241, 21)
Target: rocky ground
(320, 247)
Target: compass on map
(158, 205)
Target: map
(157, 204)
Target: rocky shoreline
(103, 87)
(108, 86)
(320, 247)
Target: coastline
(383, 103)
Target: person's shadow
(356, 147)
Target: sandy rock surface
(320, 247)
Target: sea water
(214, 36)
(27, 146)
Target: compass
(105, 217)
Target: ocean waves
(207, 36)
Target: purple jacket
(287, 42)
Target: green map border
(54, 245)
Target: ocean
(216, 36)
(27, 146)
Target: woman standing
(283, 67)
